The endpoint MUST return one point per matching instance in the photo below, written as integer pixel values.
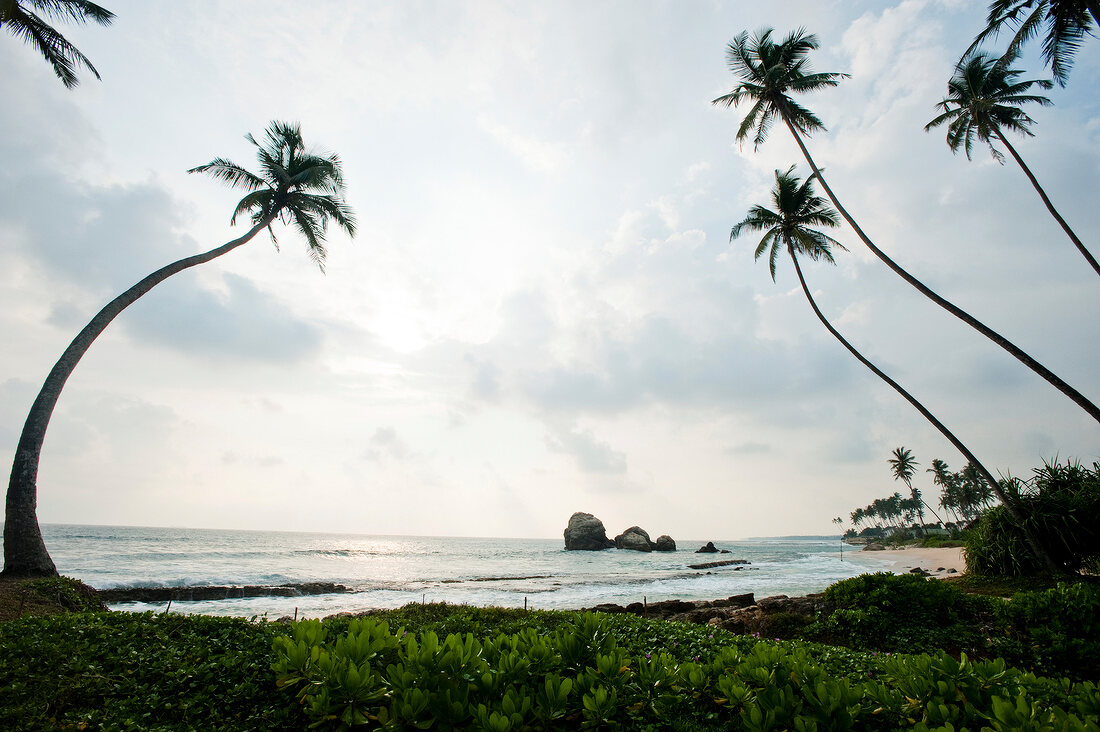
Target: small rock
(707, 548)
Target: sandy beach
(937, 562)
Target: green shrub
(1059, 504)
(889, 612)
(578, 677)
(130, 671)
(1053, 631)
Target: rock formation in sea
(708, 548)
(635, 538)
(664, 543)
(586, 532)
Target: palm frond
(62, 55)
(78, 11)
(231, 174)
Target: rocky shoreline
(742, 614)
(218, 592)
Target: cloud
(385, 444)
(591, 455)
(240, 322)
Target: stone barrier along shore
(217, 592)
(720, 563)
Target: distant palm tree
(788, 227)
(1067, 23)
(982, 102)
(903, 465)
(302, 188)
(19, 18)
(768, 72)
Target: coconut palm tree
(903, 465)
(768, 72)
(299, 187)
(788, 227)
(20, 19)
(1066, 22)
(982, 102)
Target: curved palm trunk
(1077, 397)
(1050, 206)
(25, 553)
(1032, 541)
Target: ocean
(390, 571)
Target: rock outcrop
(708, 548)
(585, 532)
(635, 538)
(664, 543)
(738, 614)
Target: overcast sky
(542, 312)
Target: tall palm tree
(788, 227)
(903, 465)
(768, 72)
(1067, 22)
(300, 187)
(20, 19)
(982, 102)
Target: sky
(542, 311)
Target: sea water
(390, 571)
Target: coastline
(937, 562)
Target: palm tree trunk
(25, 553)
(1050, 206)
(959, 313)
(1032, 541)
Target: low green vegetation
(1026, 663)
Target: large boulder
(635, 538)
(586, 532)
(665, 543)
(707, 548)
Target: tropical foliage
(27, 19)
(1061, 502)
(1065, 25)
(964, 497)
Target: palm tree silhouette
(788, 227)
(982, 102)
(768, 72)
(1067, 22)
(63, 56)
(302, 188)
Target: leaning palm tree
(789, 227)
(768, 72)
(982, 102)
(1067, 23)
(20, 19)
(295, 185)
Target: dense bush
(1054, 631)
(888, 612)
(127, 671)
(1060, 504)
(579, 677)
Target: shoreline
(936, 562)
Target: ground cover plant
(449, 667)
